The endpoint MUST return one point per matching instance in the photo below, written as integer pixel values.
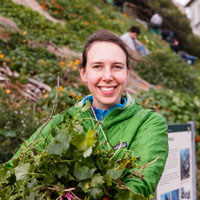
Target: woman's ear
(83, 74)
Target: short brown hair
(135, 29)
(105, 36)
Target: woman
(105, 69)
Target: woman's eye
(97, 66)
(117, 67)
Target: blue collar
(101, 113)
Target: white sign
(177, 181)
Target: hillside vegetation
(24, 50)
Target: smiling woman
(106, 74)
(105, 69)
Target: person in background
(130, 39)
(120, 4)
(189, 59)
(167, 35)
(155, 23)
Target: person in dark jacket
(189, 59)
(167, 35)
(120, 4)
(105, 68)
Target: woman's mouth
(108, 90)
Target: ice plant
(25, 33)
(71, 93)
(74, 68)
(60, 89)
(70, 64)
(86, 23)
(62, 63)
(7, 91)
(77, 62)
(1, 56)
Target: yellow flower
(70, 63)
(62, 63)
(86, 23)
(77, 62)
(74, 68)
(7, 91)
(71, 93)
(1, 56)
(101, 16)
(60, 89)
(95, 22)
(25, 33)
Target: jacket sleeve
(150, 142)
(44, 133)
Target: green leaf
(62, 170)
(86, 107)
(31, 196)
(114, 174)
(64, 139)
(21, 171)
(8, 133)
(95, 193)
(123, 194)
(176, 99)
(83, 142)
(78, 128)
(4, 173)
(54, 149)
(83, 172)
(59, 144)
(32, 183)
(97, 181)
(84, 185)
(87, 153)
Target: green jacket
(143, 131)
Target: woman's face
(106, 74)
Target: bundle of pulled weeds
(72, 166)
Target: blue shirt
(101, 113)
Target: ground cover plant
(176, 107)
(166, 68)
(17, 121)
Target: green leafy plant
(169, 70)
(176, 107)
(73, 165)
(17, 122)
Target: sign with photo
(178, 181)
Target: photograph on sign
(175, 194)
(185, 163)
(165, 196)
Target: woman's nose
(107, 75)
